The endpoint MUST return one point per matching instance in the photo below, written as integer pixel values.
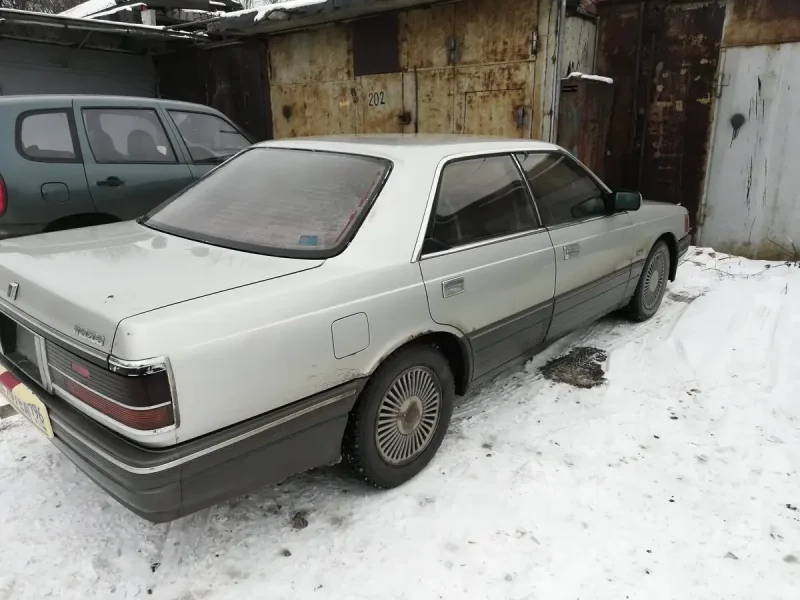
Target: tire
(652, 284)
(425, 424)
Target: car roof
(103, 99)
(432, 146)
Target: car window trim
(220, 116)
(175, 160)
(73, 131)
(603, 187)
(431, 209)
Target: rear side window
(277, 201)
(478, 199)
(563, 190)
(47, 136)
(124, 135)
(209, 139)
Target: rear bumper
(164, 484)
(683, 245)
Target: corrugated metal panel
(27, 68)
(751, 206)
(763, 22)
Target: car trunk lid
(83, 282)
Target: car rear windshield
(277, 201)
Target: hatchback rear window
(277, 201)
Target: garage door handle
(111, 182)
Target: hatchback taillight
(141, 402)
(3, 197)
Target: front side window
(47, 136)
(127, 135)
(564, 192)
(478, 199)
(209, 139)
(277, 201)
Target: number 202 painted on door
(375, 99)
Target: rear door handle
(111, 182)
(453, 287)
(571, 251)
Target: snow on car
(315, 299)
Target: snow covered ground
(677, 478)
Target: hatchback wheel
(400, 418)
(652, 284)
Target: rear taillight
(687, 224)
(141, 400)
(3, 197)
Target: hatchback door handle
(111, 182)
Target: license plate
(25, 401)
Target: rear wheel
(652, 284)
(401, 417)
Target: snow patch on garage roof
(89, 8)
(269, 7)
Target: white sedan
(311, 300)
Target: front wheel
(401, 417)
(652, 284)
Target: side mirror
(626, 201)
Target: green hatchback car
(75, 161)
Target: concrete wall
(28, 68)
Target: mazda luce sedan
(314, 300)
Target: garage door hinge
(723, 81)
(534, 42)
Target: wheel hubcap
(654, 281)
(408, 416)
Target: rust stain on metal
(311, 56)
(663, 90)
(673, 157)
(494, 100)
(380, 103)
(465, 66)
(314, 108)
(756, 22)
(495, 30)
(436, 91)
(424, 37)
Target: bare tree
(44, 6)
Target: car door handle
(453, 287)
(111, 182)
(571, 251)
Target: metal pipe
(556, 101)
